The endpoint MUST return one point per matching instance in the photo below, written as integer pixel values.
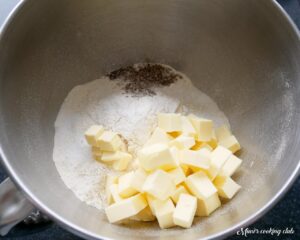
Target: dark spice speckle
(142, 79)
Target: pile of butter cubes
(108, 147)
(184, 171)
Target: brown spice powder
(143, 79)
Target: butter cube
(187, 127)
(177, 175)
(218, 158)
(195, 159)
(122, 163)
(183, 142)
(231, 143)
(230, 166)
(93, 133)
(125, 208)
(227, 188)
(185, 210)
(114, 192)
(96, 151)
(138, 180)
(164, 213)
(179, 190)
(201, 187)
(145, 215)
(156, 156)
(170, 122)
(109, 141)
(206, 206)
(158, 136)
(223, 132)
(204, 128)
(110, 156)
(115, 156)
(109, 181)
(160, 185)
(125, 185)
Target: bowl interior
(243, 54)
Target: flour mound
(103, 102)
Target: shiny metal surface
(14, 207)
(244, 54)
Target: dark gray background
(286, 214)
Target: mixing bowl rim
(86, 233)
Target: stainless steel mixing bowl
(243, 54)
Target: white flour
(103, 102)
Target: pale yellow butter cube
(115, 156)
(114, 192)
(206, 206)
(156, 156)
(179, 190)
(183, 142)
(109, 181)
(159, 184)
(177, 175)
(93, 133)
(219, 156)
(170, 122)
(200, 185)
(125, 208)
(110, 156)
(227, 188)
(164, 213)
(185, 210)
(122, 163)
(145, 215)
(223, 132)
(158, 136)
(96, 151)
(138, 180)
(231, 143)
(204, 128)
(125, 185)
(109, 141)
(187, 127)
(195, 159)
(230, 166)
